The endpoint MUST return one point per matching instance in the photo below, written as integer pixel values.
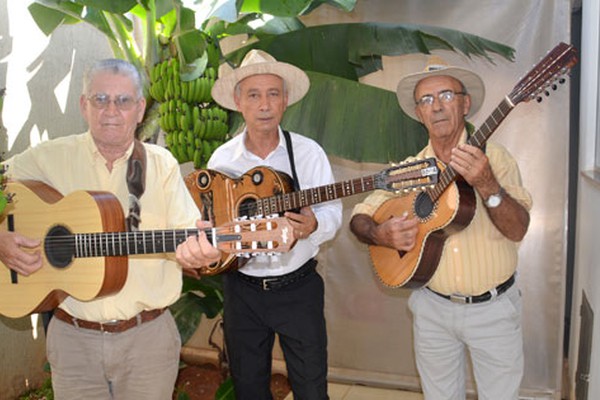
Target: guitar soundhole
(59, 246)
(423, 205)
(247, 208)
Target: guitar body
(452, 212)
(222, 199)
(33, 212)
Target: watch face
(493, 201)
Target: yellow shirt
(73, 163)
(477, 258)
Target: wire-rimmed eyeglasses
(445, 96)
(101, 101)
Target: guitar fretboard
(477, 139)
(122, 243)
(307, 197)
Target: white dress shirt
(313, 170)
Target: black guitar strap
(136, 183)
(288, 143)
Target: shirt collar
(241, 150)
(93, 149)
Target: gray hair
(115, 66)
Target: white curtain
(369, 325)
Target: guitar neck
(477, 139)
(304, 198)
(125, 243)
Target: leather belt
(116, 326)
(278, 282)
(489, 295)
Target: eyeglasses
(445, 96)
(122, 102)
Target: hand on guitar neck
(304, 223)
(196, 252)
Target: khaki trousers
(138, 364)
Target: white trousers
(490, 331)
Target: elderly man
(124, 345)
(471, 301)
(281, 295)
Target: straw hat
(436, 66)
(258, 62)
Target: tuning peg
(539, 99)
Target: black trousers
(252, 317)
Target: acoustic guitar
(85, 245)
(449, 206)
(263, 191)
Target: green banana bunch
(194, 126)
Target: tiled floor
(338, 391)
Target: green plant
(350, 119)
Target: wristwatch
(495, 199)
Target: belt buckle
(111, 322)
(265, 282)
(457, 298)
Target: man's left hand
(304, 223)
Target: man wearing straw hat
(471, 301)
(283, 294)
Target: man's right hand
(399, 233)
(13, 255)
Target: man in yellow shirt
(125, 345)
(471, 301)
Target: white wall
(587, 262)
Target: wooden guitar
(449, 206)
(263, 191)
(89, 265)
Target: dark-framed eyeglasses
(101, 101)
(445, 96)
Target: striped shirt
(479, 257)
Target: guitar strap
(136, 184)
(288, 143)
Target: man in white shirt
(284, 294)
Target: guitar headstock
(547, 73)
(407, 176)
(250, 237)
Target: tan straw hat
(436, 66)
(258, 62)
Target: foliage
(204, 296)
(340, 52)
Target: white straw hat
(258, 62)
(436, 66)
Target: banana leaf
(354, 50)
(355, 121)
